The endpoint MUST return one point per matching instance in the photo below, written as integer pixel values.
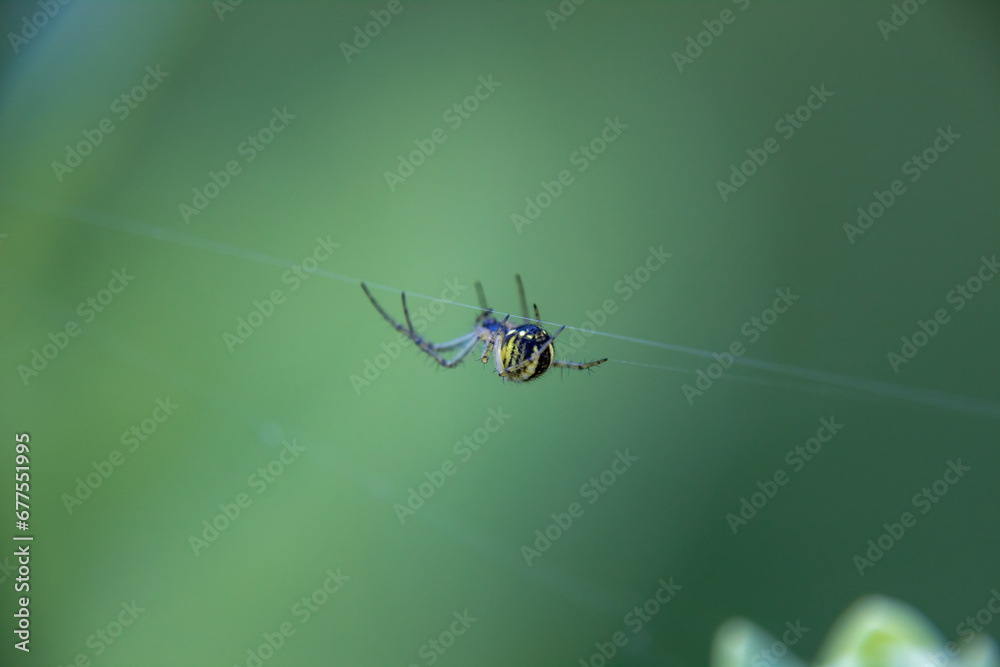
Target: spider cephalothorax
(521, 353)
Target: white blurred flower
(874, 632)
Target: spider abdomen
(520, 347)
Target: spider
(521, 353)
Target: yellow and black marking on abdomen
(520, 345)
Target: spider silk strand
(806, 378)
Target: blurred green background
(330, 504)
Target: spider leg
(470, 341)
(406, 313)
(498, 356)
(388, 318)
(577, 364)
(452, 344)
(428, 347)
(524, 301)
(492, 340)
(482, 297)
(423, 342)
